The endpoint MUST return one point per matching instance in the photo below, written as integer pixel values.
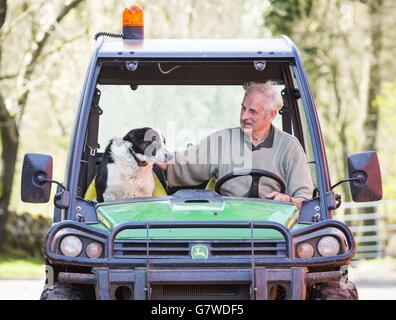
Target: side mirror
(37, 168)
(365, 171)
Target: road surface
(374, 280)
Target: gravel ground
(375, 280)
(21, 289)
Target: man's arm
(298, 178)
(191, 167)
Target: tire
(335, 291)
(61, 291)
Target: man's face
(254, 113)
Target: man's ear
(273, 114)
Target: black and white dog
(127, 167)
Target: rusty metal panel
(298, 284)
(200, 275)
(102, 289)
(311, 278)
(121, 276)
(260, 286)
(77, 278)
(279, 275)
(140, 283)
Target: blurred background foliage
(348, 48)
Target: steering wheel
(256, 175)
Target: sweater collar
(266, 143)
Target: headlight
(71, 246)
(305, 250)
(94, 250)
(328, 246)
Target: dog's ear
(128, 136)
(136, 134)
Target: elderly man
(256, 144)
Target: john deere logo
(199, 251)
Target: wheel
(256, 174)
(61, 291)
(335, 291)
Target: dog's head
(147, 145)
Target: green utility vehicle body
(228, 210)
(195, 243)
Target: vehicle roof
(196, 48)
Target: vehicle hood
(113, 214)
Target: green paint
(229, 210)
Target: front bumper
(248, 277)
(206, 283)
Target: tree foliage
(342, 47)
(45, 48)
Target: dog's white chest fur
(125, 179)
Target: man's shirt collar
(266, 143)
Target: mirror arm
(347, 180)
(61, 199)
(41, 179)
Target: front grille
(200, 290)
(205, 292)
(182, 249)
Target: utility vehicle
(193, 242)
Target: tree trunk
(8, 134)
(372, 115)
(9, 142)
(9, 125)
(342, 132)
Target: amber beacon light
(133, 22)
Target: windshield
(183, 114)
(185, 118)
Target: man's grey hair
(275, 101)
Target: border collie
(127, 167)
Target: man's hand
(278, 196)
(284, 198)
